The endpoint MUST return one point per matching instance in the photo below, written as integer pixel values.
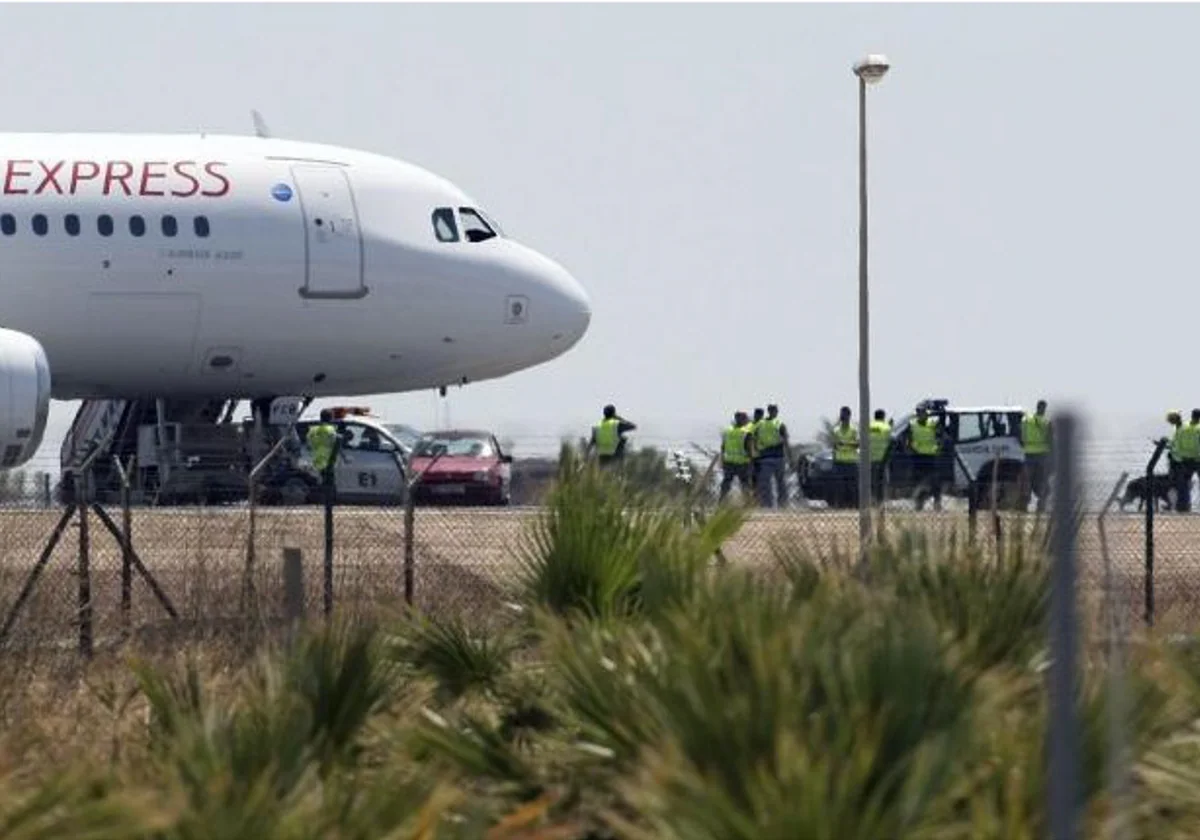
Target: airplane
(224, 267)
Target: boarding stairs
(109, 427)
(96, 424)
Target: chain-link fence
(67, 581)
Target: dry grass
(58, 711)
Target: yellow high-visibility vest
(321, 439)
(734, 445)
(881, 436)
(1035, 434)
(845, 448)
(924, 437)
(767, 433)
(607, 436)
(1186, 446)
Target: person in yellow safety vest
(1036, 439)
(737, 455)
(323, 442)
(926, 448)
(845, 460)
(1175, 420)
(1186, 449)
(770, 470)
(880, 432)
(759, 414)
(608, 437)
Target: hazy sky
(1033, 175)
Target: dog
(1143, 488)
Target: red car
(472, 468)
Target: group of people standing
(928, 448)
(755, 453)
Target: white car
(370, 468)
(984, 443)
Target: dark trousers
(927, 479)
(770, 472)
(1184, 470)
(1037, 468)
(877, 473)
(845, 482)
(743, 474)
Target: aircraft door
(333, 241)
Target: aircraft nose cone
(567, 308)
(575, 306)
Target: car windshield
(407, 435)
(454, 447)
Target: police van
(370, 469)
(984, 444)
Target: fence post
(1064, 755)
(410, 518)
(997, 530)
(85, 572)
(409, 554)
(972, 496)
(47, 495)
(249, 593)
(330, 488)
(126, 551)
(1118, 776)
(1151, 504)
(293, 589)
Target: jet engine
(24, 397)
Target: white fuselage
(320, 272)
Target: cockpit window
(445, 228)
(487, 217)
(475, 229)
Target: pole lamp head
(872, 68)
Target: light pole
(869, 71)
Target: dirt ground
(463, 559)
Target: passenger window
(970, 428)
(104, 224)
(475, 229)
(170, 227)
(8, 224)
(71, 223)
(200, 225)
(137, 225)
(40, 225)
(996, 425)
(444, 226)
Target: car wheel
(1011, 494)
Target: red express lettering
(12, 171)
(224, 188)
(50, 177)
(111, 177)
(77, 173)
(191, 179)
(147, 174)
(153, 178)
